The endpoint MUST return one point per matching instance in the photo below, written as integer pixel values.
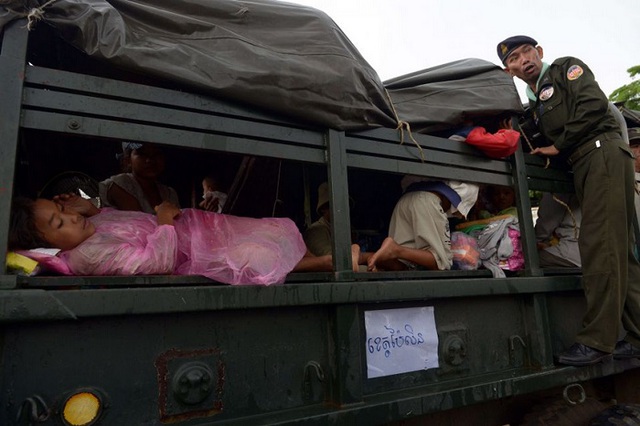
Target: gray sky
(401, 36)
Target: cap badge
(546, 93)
(503, 48)
(574, 72)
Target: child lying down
(228, 249)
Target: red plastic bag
(501, 144)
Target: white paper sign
(400, 340)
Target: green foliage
(629, 93)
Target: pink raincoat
(228, 249)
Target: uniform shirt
(571, 109)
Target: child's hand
(210, 204)
(76, 203)
(166, 212)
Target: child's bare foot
(355, 257)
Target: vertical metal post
(536, 319)
(339, 203)
(346, 347)
(12, 70)
(527, 232)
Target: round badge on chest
(546, 93)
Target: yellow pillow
(21, 264)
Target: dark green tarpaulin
(279, 57)
(448, 95)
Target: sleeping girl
(228, 249)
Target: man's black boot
(580, 355)
(625, 350)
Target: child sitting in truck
(502, 201)
(138, 188)
(228, 249)
(213, 199)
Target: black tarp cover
(448, 95)
(284, 58)
(280, 57)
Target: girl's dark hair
(23, 233)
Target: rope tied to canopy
(36, 14)
(402, 125)
(33, 15)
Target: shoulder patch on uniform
(574, 72)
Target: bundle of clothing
(492, 243)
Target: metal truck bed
(186, 350)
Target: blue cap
(436, 186)
(507, 46)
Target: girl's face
(61, 227)
(147, 161)
(503, 197)
(206, 187)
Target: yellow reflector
(81, 409)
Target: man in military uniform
(572, 113)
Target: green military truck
(184, 350)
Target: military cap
(507, 46)
(634, 135)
